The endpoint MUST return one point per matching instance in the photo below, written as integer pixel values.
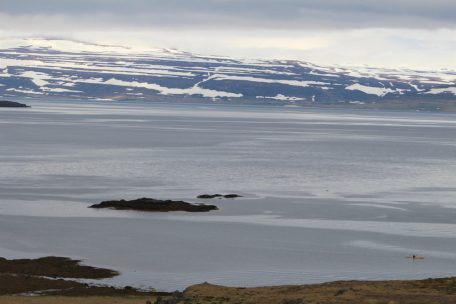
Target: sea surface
(328, 194)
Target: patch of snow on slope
(243, 70)
(195, 90)
(370, 90)
(24, 91)
(322, 74)
(442, 91)
(70, 46)
(297, 83)
(77, 65)
(41, 80)
(37, 78)
(59, 90)
(416, 87)
(281, 98)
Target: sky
(383, 33)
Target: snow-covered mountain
(71, 69)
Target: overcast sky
(406, 33)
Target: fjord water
(329, 194)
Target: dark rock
(209, 196)
(12, 104)
(58, 276)
(297, 301)
(178, 296)
(55, 267)
(341, 291)
(154, 205)
(232, 196)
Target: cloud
(227, 14)
(411, 33)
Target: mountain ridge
(57, 68)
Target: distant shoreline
(435, 106)
(12, 104)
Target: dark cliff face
(11, 104)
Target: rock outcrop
(211, 196)
(154, 205)
(12, 104)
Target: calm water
(328, 194)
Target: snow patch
(195, 90)
(24, 91)
(415, 87)
(281, 98)
(40, 79)
(59, 90)
(370, 90)
(451, 90)
(297, 83)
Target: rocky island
(211, 196)
(154, 205)
(12, 104)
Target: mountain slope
(69, 69)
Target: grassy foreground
(430, 291)
(74, 300)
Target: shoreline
(415, 106)
(437, 291)
(57, 279)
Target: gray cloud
(229, 14)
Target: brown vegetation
(430, 291)
(20, 279)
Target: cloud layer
(405, 33)
(229, 14)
